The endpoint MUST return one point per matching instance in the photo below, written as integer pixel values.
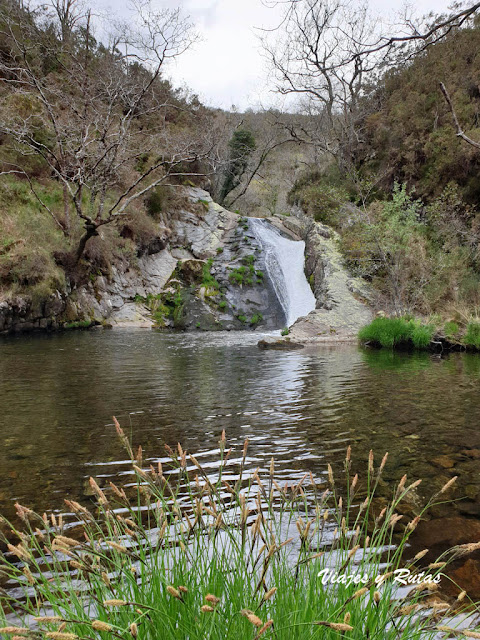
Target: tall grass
(391, 332)
(190, 553)
(472, 335)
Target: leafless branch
(460, 132)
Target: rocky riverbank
(342, 306)
(207, 272)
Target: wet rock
(469, 508)
(467, 578)
(282, 345)
(446, 532)
(471, 453)
(191, 270)
(444, 462)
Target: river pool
(58, 393)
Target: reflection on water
(58, 393)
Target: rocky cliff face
(209, 276)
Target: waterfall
(284, 263)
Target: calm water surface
(58, 393)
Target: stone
(469, 508)
(446, 532)
(443, 461)
(283, 345)
(191, 270)
(155, 270)
(467, 577)
(471, 453)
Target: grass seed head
(48, 619)
(447, 486)
(213, 599)
(265, 627)
(115, 603)
(174, 592)
(270, 593)
(99, 625)
(252, 618)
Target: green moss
(285, 331)
(78, 324)
(246, 274)
(204, 203)
(256, 318)
(208, 280)
(222, 304)
(242, 318)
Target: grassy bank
(398, 332)
(188, 551)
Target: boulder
(281, 344)
(191, 270)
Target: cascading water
(284, 263)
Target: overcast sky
(226, 67)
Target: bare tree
(97, 115)
(460, 131)
(316, 59)
(330, 52)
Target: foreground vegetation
(184, 552)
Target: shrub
(422, 335)
(386, 331)
(78, 324)
(256, 318)
(169, 556)
(285, 331)
(207, 279)
(319, 198)
(391, 332)
(472, 335)
(155, 201)
(451, 329)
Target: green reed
(191, 554)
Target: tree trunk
(90, 232)
(66, 210)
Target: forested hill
(414, 229)
(94, 143)
(411, 136)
